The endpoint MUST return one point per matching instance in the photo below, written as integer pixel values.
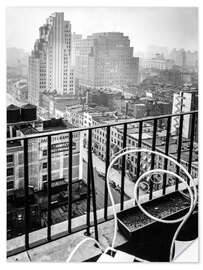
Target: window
(19, 216)
(44, 152)
(10, 185)
(44, 178)
(9, 158)
(44, 165)
(10, 171)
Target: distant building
(37, 72)
(74, 115)
(185, 58)
(185, 101)
(55, 103)
(179, 56)
(21, 89)
(154, 107)
(50, 61)
(155, 49)
(157, 62)
(172, 76)
(106, 98)
(105, 60)
(136, 110)
(192, 59)
(75, 47)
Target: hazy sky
(171, 27)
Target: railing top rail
(63, 131)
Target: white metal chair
(120, 256)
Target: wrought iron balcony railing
(91, 193)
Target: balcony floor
(58, 251)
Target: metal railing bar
(88, 182)
(123, 166)
(26, 190)
(70, 182)
(94, 204)
(106, 168)
(179, 149)
(62, 131)
(152, 158)
(49, 188)
(166, 153)
(139, 144)
(191, 144)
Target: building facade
(157, 62)
(37, 72)
(89, 118)
(38, 154)
(185, 58)
(75, 47)
(185, 101)
(50, 61)
(106, 60)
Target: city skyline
(174, 30)
(101, 101)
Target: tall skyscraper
(50, 61)
(37, 71)
(75, 46)
(105, 60)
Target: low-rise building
(55, 105)
(37, 154)
(185, 101)
(95, 117)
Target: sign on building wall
(62, 147)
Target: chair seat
(117, 256)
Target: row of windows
(130, 141)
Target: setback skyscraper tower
(105, 60)
(50, 61)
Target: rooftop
(56, 124)
(28, 130)
(107, 118)
(47, 125)
(12, 144)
